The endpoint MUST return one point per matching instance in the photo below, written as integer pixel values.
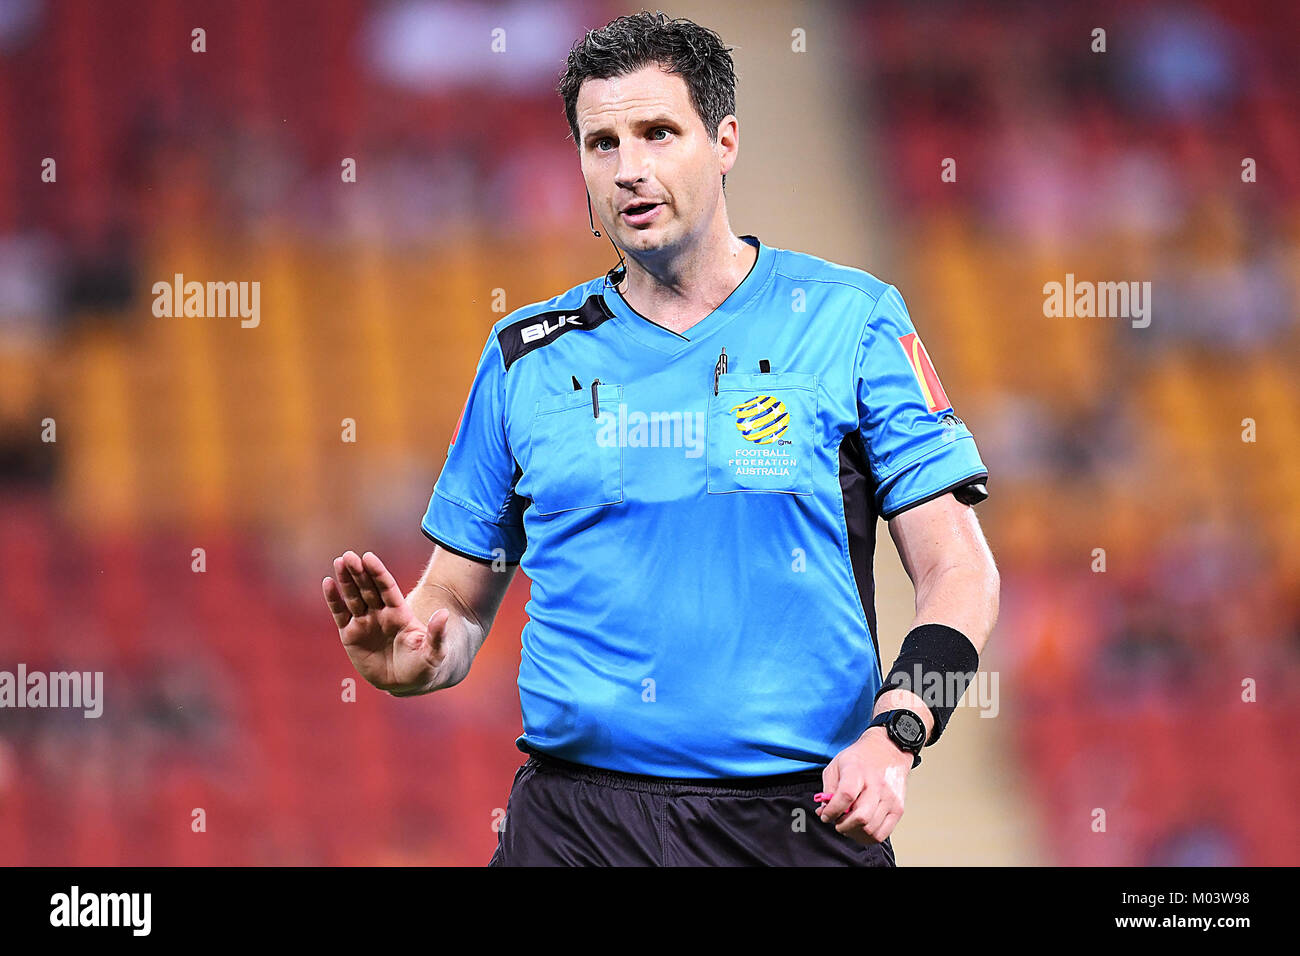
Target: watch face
(909, 728)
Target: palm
(378, 640)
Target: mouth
(641, 213)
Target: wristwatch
(905, 729)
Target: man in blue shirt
(688, 456)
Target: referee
(688, 456)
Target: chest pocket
(576, 460)
(761, 433)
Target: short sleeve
(474, 510)
(917, 447)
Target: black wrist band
(936, 663)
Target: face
(641, 141)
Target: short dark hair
(680, 46)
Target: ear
(728, 143)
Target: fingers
(348, 585)
(886, 828)
(830, 779)
(434, 624)
(878, 830)
(365, 583)
(335, 601)
(866, 809)
(873, 816)
(875, 824)
(389, 593)
(435, 628)
(845, 791)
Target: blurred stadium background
(1118, 690)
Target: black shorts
(565, 814)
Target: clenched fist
(867, 781)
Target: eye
(603, 139)
(661, 129)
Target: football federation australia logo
(761, 420)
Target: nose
(632, 166)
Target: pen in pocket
(595, 401)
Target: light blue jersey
(697, 512)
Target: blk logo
(542, 329)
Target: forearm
(964, 597)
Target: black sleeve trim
(472, 557)
(979, 493)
